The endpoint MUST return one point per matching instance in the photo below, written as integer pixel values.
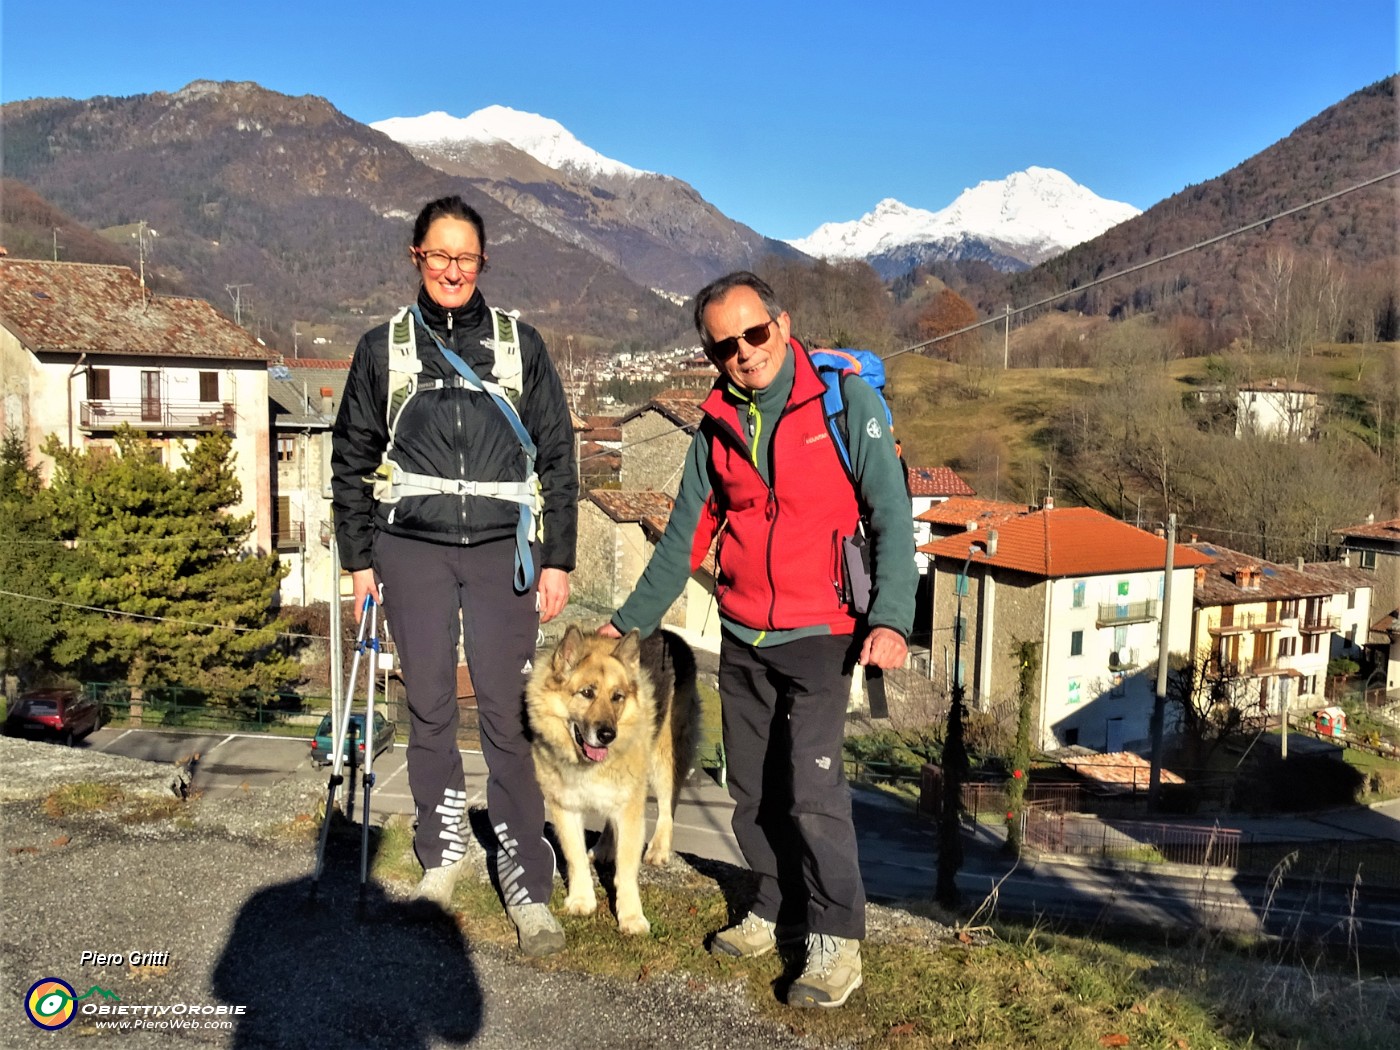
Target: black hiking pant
(427, 586)
(784, 712)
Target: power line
(1144, 265)
(1010, 312)
(162, 619)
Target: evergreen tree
(29, 555)
(160, 544)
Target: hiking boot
(538, 929)
(832, 972)
(437, 884)
(751, 937)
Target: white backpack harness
(390, 482)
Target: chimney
(326, 395)
(1195, 537)
(1049, 503)
(1200, 575)
(1346, 559)
(1300, 563)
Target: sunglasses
(724, 349)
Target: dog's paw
(633, 925)
(657, 856)
(580, 905)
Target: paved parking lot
(230, 763)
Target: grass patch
(73, 799)
(929, 985)
(85, 798)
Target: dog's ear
(629, 650)
(568, 651)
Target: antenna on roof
(55, 242)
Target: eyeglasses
(724, 349)
(438, 262)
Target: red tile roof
(938, 481)
(683, 412)
(631, 506)
(1378, 530)
(960, 510)
(1067, 541)
(1222, 585)
(86, 308)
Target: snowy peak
(548, 141)
(1041, 210)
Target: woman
(437, 512)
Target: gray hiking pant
(426, 586)
(784, 710)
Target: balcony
(289, 536)
(1124, 659)
(1112, 615)
(1243, 624)
(1319, 625)
(156, 414)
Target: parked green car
(322, 745)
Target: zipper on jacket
(771, 513)
(463, 538)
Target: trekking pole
(367, 737)
(340, 729)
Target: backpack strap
(404, 369)
(505, 344)
(391, 482)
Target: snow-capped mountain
(548, 141)
(1013, 223)
(655, 228)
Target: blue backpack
(834, 366)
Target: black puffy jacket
(452, 432)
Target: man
(765, 476)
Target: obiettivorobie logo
(52, 1003)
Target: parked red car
(55, 714)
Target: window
(1118, 687)
(1078, 602)
(99, 381)
(1072, 737)
(1368, 559)
(286, 448)
(1076, 643)
(209, 386)
(1311, 643)
(1290, 609)
(1288, 647)
(1351, 599)
(1073, 693)
(1120, 636)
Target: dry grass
(932, 982)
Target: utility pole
(1006, 341)
(1159, 702)
(55, 242)
(141, 250)
(235, 293)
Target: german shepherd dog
(610, 717)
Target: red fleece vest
(779, 555)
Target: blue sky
(785, 114)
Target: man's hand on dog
(883, 648)
(609, 631)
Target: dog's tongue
(594, 754)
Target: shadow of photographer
(310, 973)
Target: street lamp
(955, 764)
